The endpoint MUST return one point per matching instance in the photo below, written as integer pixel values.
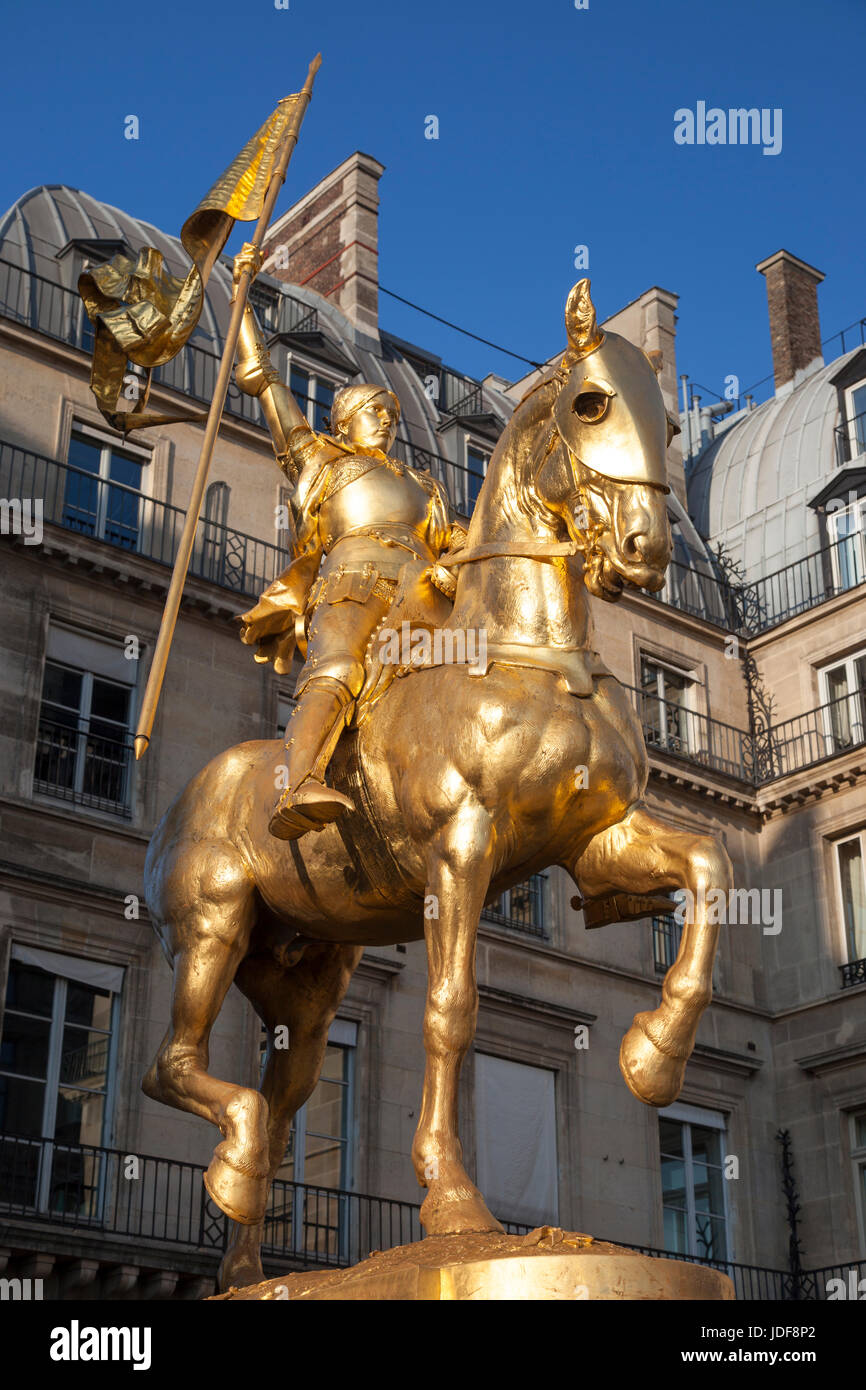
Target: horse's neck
(516, 599)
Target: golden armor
(359, 517)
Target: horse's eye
(590, 406)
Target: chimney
(795, 328)
(329, 241)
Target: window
(667, 705)
(667, 934)
(857, 419)
(522, 907)
(476, 471)
(103, 491)
(515, 1123)
(56, 1068)
(314, 394)
(320, 1154)
(83, 746)
(852, 885)
(847, 528)
(858, 1156)
(844, 691)
(265, 300)
(694, 1191)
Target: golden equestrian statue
(463, 780)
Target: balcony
(756, 759)
(83, 766)
(522, 908)
(78, 1203)
(119, 516)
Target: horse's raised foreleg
(305, 998)
(643, 854)
(458, 876)
(207, 904)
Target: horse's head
(608, 481)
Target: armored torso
(372, 506)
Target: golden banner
(145, 315)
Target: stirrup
(311, 807)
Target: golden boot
(315, 727)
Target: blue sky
(555, 129)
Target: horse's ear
(581, 325)
(656, 360)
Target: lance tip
(142, 743)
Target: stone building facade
(749, 675)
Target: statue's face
(374, 426)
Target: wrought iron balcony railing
(523, 908)
(118, 515)
(161, 1203)
(79, 763)
(853, 973)
(757, 758)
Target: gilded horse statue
(465, 781)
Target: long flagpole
(214, 417)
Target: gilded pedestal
(546, 1264)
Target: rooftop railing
(106, 1194)
(120, 516)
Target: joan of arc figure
(359, 516)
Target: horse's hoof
(457, 1218)
(655, 1077)
(238, 1270)
(241, 1195)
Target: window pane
(88, 1006)
(30, 990)
(21, 1107)
(676, 1238)
(322, 408)
(860, 1131)
(60, 686)
(110, 701)
(851, 873)
(81, 495)
(84, 1059)
(24, 1048)
(125, 468)
(299, 383)
(476, 462)
(79, 1117)
(84, 453)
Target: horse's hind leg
(209, 909)
(305, 997)
(641, 855)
